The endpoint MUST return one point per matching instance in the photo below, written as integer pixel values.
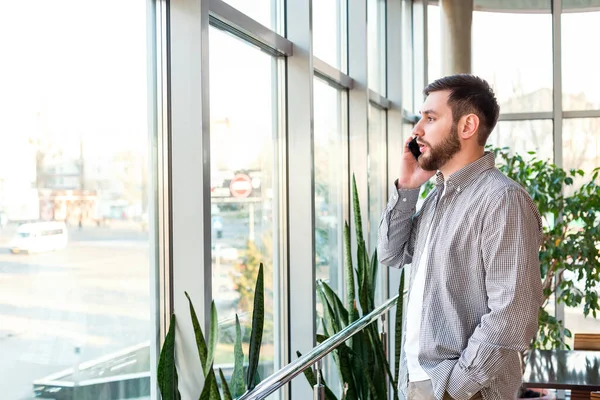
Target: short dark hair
(469, 94)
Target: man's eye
(430, 119)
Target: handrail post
(319, 388)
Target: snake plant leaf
(238, 386)
(337, 305)
(321, 338)
(258, 319)
(210, 391)
(398, 330)
(364, 276)
(225, 386)
(345, 369)
(329, 316)
(351, 296)
(200, 342)
(374, 269)
(312, 380)
(214, 334)
(166, 370)
(356, 207)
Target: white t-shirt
(413, 317)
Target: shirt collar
(467, 174)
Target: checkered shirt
(483, 285)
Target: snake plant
(361, 361)
(239, 384)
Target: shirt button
(404, 199)
(469, 394)
(458, 189)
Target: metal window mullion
(190, 179)
(527, 116)
(394, 143)
(378, 100)
(557, 110)
(581, 114)
(226, 17)
(300, 189)
(332, 75)
(158, 201)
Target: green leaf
(351, 297)
(238, 386)
(166, 370)
(356, 207)
(200, 342)
(226, 392)
(214, 334)
(258, 318)
(332, 298)
(211, 389)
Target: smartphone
(413, 146)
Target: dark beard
(442, 152)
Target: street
(94, 295)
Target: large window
(581, 83)
(245, 211)
(75, 264)
(518, 62)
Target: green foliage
(362, 364)
(570, 247)
(167, 372)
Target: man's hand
(411, 174)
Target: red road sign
(241, 186)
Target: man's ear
(469, 127)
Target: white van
(39, 236)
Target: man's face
(436, 132)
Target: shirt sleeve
(510, 243)
(397, 228)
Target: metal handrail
(290, 371)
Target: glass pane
(378, 183)
(407, 53)
(330, 167)
(524, 136)
(580, 78)
(244, 184)
(377, 171)
(74, 187)
(329, 173)
(518, 62)
(434, 67)
(581, 144)
(266, 12)
(376, 45)
(329, 32)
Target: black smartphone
(413, 146)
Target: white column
(456, 22)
